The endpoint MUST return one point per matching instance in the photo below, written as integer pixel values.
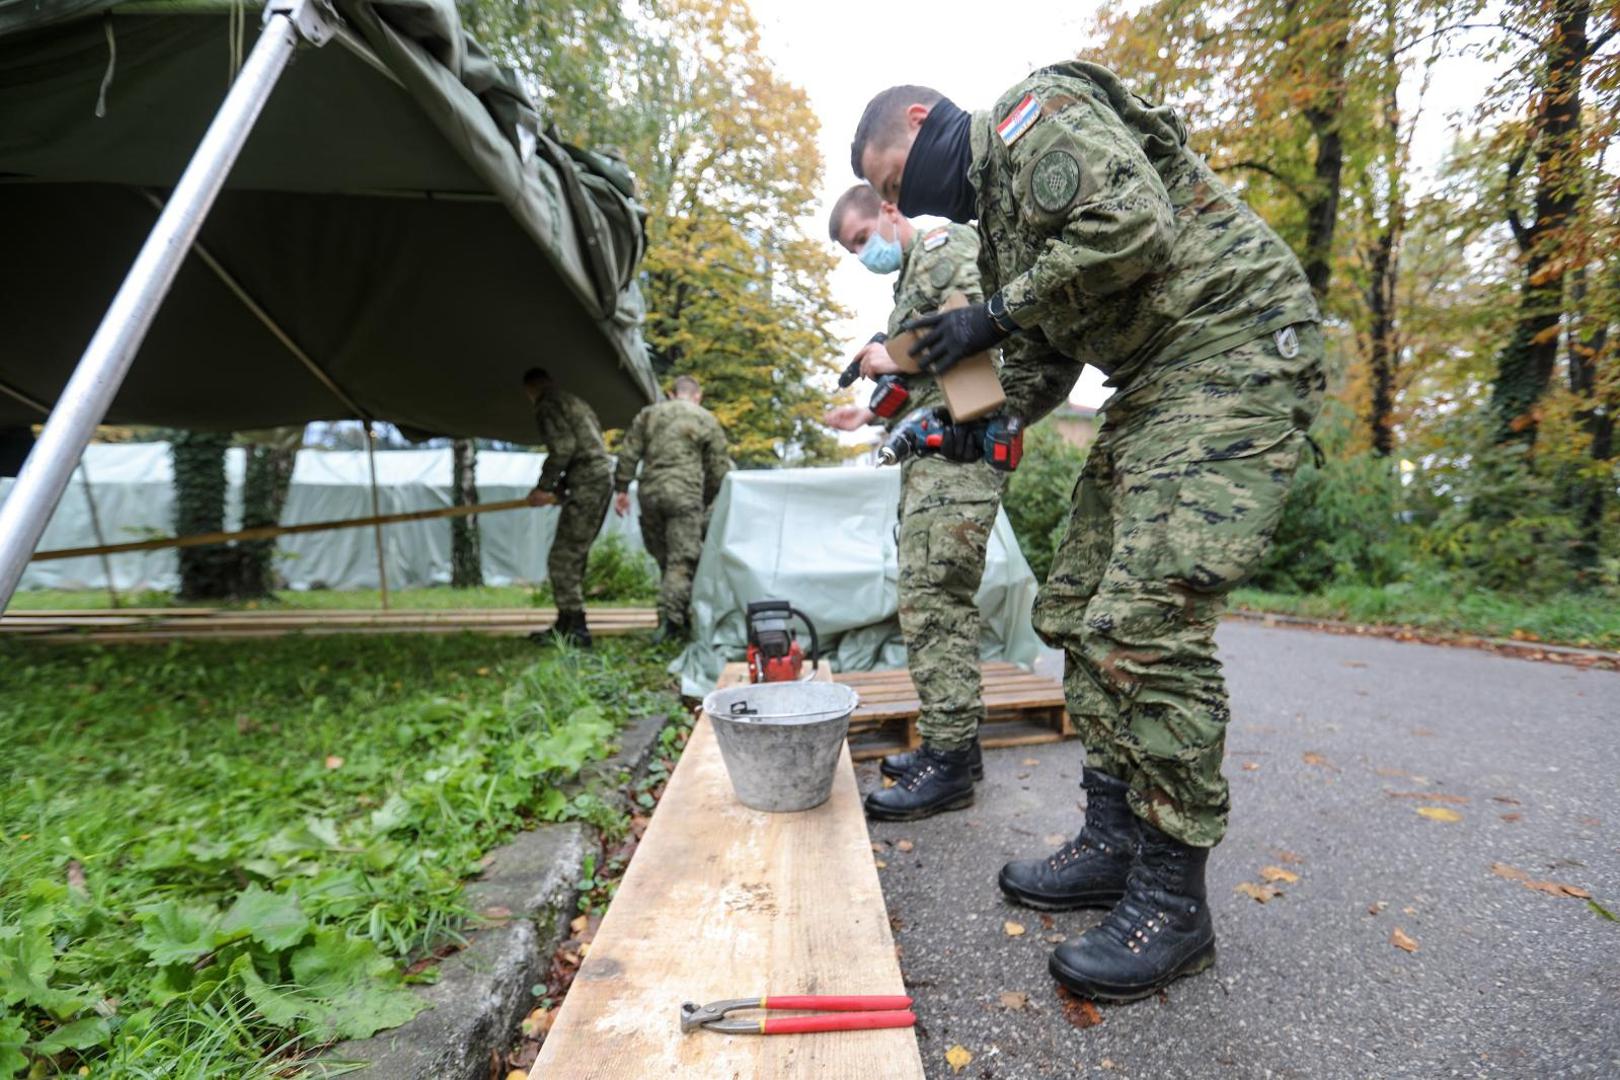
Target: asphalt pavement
(1443, 795)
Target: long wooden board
(721, 901)
(108, 627)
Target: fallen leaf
(1079, 1011)
(1353, 663)
(1251, 766)
(1423, 733)
(1013, 929)
(1032, 761)
(1439, 813)
(1385, 770)
(518, 1074)
(1505, 799)
(483, 671)
(1412, 911)
(1047, 922)
(1377, 906)
(1428, 796)
(1311, 757)
(1259, 893)
(1512, 873)
(579, 923)
(1277, 873)
(1055, 939)
(1106, 1063)
(1401, 940)
(538, 1022)
(904, 845)
(1014, 999)
(880, 864)
(333, 761)
(957, 1057)
(888, 781)
(1284, 855)
(878, 845)
(1510, 817)
(1558, 888)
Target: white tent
(133, 488)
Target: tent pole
(88, 394)
(376, 512)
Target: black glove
(946, 338)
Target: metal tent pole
(376, 513)
(101, 370)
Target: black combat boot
(939, 780)
(1088, 871)
(569, 627)
(897, 765)
(1159, 932)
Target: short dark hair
(860, 199)
(686, 384)
(885, 118)
(535, 376)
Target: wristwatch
(996, 308)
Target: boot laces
(1140, 914)
(1074, 849)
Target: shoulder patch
(937, 239)
(1020, 120)
(940, 276)
(1055, 181)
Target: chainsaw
(774, 653)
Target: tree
(466, 550)
(199, 507)
(726, 160)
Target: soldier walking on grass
(578, 477)
(1105, 240)
(681, 450)
(947, 509)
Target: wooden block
(972, 388)
(721, 901)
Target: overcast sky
(842, 52)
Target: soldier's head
(912, 145)
(687, 389)
(536, 381)
(870, 229)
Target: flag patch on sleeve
(936, 239)
(1020, 120)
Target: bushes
(615, 574)
(1038, 495)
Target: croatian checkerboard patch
(936, 239)
(1020, 120)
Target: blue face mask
(881, 256)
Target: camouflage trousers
(672, 529)
(946, 513)
(1178, 501)
(584, 506)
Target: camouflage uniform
(947, 510)
(578, 471)
(1114, 245)
(681, 449)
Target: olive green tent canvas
(401, 232)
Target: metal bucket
(781, 741)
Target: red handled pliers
(842, 1013)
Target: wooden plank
(721, 901)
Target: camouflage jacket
(1113, 243)
(572, 437)
(939, 262)
(681, 449)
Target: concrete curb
(483, 990)
(1531, 650)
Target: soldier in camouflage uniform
(947, 509)
(578, 476)
(1105, 240)
(681, 449)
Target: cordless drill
(998, 441)
(891, 394)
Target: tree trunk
(1524, 368)
(466, 550)
(1590, 494)
(264, 494)
(1325, 115)
(1384, 271)
(206, 573)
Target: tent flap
(400, 213)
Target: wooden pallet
(1021, 709)
(160, 624)
(721, 901)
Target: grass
(1586, 620)
(213, 857)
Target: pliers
(848, 1013)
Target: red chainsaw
(774, 653)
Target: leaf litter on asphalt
(1439, 813)
(1551, 888)
(958, 1058)
(1401, 940)
(1078, 1011)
